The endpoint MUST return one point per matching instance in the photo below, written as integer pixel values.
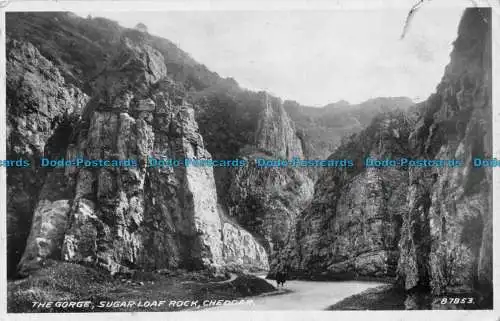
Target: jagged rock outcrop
(446, 239)
(267, 200)
(39, 105)
(123, 218)
(352, 224)
(241, 251)
(275, 131)
(439, 220)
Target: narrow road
(231, 279)
(303, 295)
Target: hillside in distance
(323, 128)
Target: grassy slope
(386, 297)
(391, 297)
(79, 47)
(60, 281)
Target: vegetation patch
(385, 297)
(61, 281)
(392, 297)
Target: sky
(314, 57)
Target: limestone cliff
(275, 131)
(123, 218)
(446, 239)
(40, 105)
(268, 200)
(352, 224)
(430, 228)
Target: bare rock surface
(351, 228)
(431, 228)
(138, 217)
(39, 105)
(267, 200)
(450, 208)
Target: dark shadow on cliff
(20, 222)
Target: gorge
(89, 87)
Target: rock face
(276, 131)
(431, 228)
(446, 240)
(267, 200)
(130, 217)
(39, 105)
(352, 224)
(241, 251)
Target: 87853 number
(457, 301)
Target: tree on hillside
(141, 27)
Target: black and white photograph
(249, 160)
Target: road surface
(303, 295)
